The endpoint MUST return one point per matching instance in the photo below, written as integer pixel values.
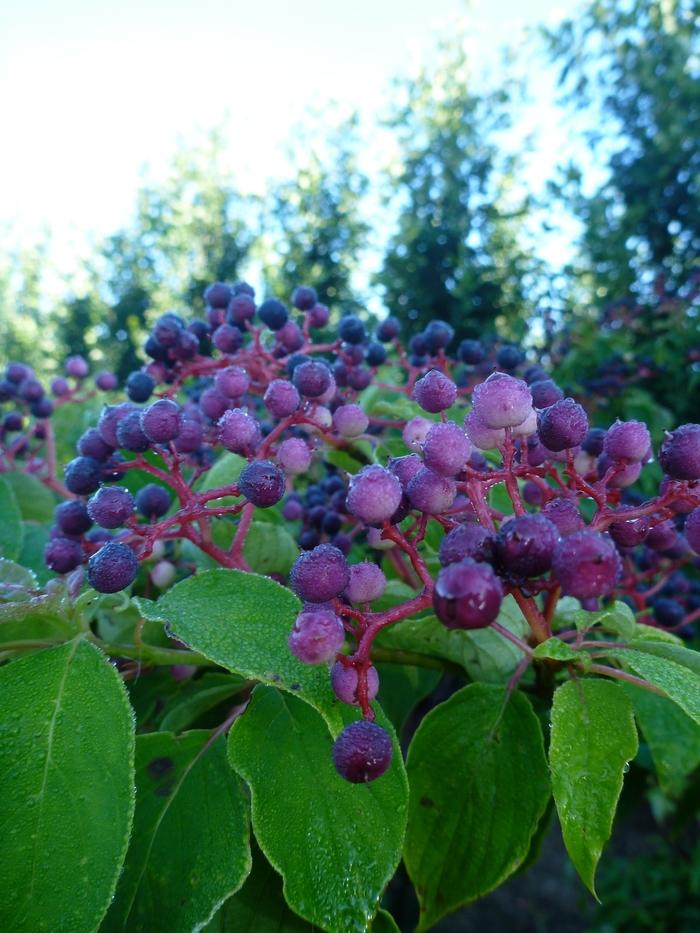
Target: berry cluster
(251, 380)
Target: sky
(93, 94)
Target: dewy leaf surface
(593, 739)
(242, 622)
(336, 844)
(679, 682)
(190, 848)
(479, 786)
(67, 770)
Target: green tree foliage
(23, 315)
(314, 229)
(632, 67)
(455, 253)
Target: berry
(294, 456)
(318, 635)
(446, 448)
(389, 328)
(91, 444)
(153, 501)
(293, 510)
(415, 432)
(525, 545)
(312, 379)
(190, 438)
(680, 452)
(232, 382)
(273, 313)
(545, 392)
(227, 338)
(467, 595)
(162, 421)
(281, 398)
(586, 564)
(594, 442)
(31, 390)
(362, 752)
(344, 681)
(60, 387)
(622, 473)
(241, 308)
(350, 420)
(238, 431)
(430, 492)
(509, 358)
(213, 404)
(77, 367)
(218, 295)
(72, 517)
(110, 417)
(106, 381)
(351, 329)
(111, 506)
(374, 495)
(405, 468)
(471, 352)
(692, 530)
(320, 574)
(564, 514)
(139, 386)
(481, 435)
(376, 354)
(662, 537)
(438, 335)
(130, 434)
(435, 392)
(627, 440)
(83, 475)
(42, 409)
(668, 612)
(112, 568)
(304, 297)
(291, 337)
(468, 540)
(319, 315)
(502, 401)
(563, 425)
(367, 583)
(262, 483)
(63, 555)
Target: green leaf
(16, 582)
(620, 620)
(225, 472)
(384, 923)
(479, 786)
(67, 766)
(673, 738)
(679, 683)
(34, 540)
(242, 621)
(206, 693)
(335, 844)
(270, 548)
(259, 907)
(402, 687)
(556, 650)
(190, 845)
(10, 522)
(593, 739)
(35, 501)
(672, 651)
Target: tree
(633, 67)
(455, 253)
(25, 331)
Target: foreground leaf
(679, 682)
(593, 739)
(479, 787)
(190, 848)
(35, 501)
(335, 844)
(242, 622)
(10, 522)
(67, 766)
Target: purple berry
(111, 506)
(112, 568)
(628, 533)
(72, 517)
(430, 492)
(294, 456)
(564, 514)
(227, 338)
(110, 417)
(627, 440)
(467, 540)
(139, 386)
(63, 555)
(367, 583)
(262, 483)
(587, 564)
(281, 398)
(680, 452)
(317, 637)
(218, 295)
(435, 392)
(344, 681)
(362, 752)
(312, 379)
(692, 530)
(525, 545)
(320, 575)
(502, 401)
(190, 438)
(77, 367)
(446, 448)
(273, 314)
(374, 495)
(106, 381)
(153, 501)
(623, 473)
(562, 425)
(415, 432)
(213, 404)
(405, 468)
(130, 434)
(350, 421)
(239, 432)
(83, 475)
(467, 595)
(31, 390)
(389, 328)
(293, 510)
(241, 308)
(304, 297)
(162, 421)
(662, 537)
(291, 337)
(352, 330)
(232, 382)
(318, 316)
(545, 392)
(59, 387)
(481, 435)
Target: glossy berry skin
(502, 401)
(83, 475)
(63, 555)
(351, 329)
(112, 568)
(72, 517)
(467, 595)
(431, 492)
(344, 680)
(312, 379)
(262, 483)
(111, 506)
(367, 583)
(525, 545)
(153, 501)
(586, 564)
(109, 419)
(564, 514)
(627, 440)
(628, 533)
(232, 381)
(662, 537)
(304, 297)
(435, 392)
(374, 495)
(362, 752)
(238, 431)
(139, 386)
(692, 530)
(281, 398)
(162, 421)
(680, 452)
(446, 448)
(562, 425)
(467, 540)
(273, 314)
(130, 434)
(320, 575)
(317, 637)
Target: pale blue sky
(91, 91)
